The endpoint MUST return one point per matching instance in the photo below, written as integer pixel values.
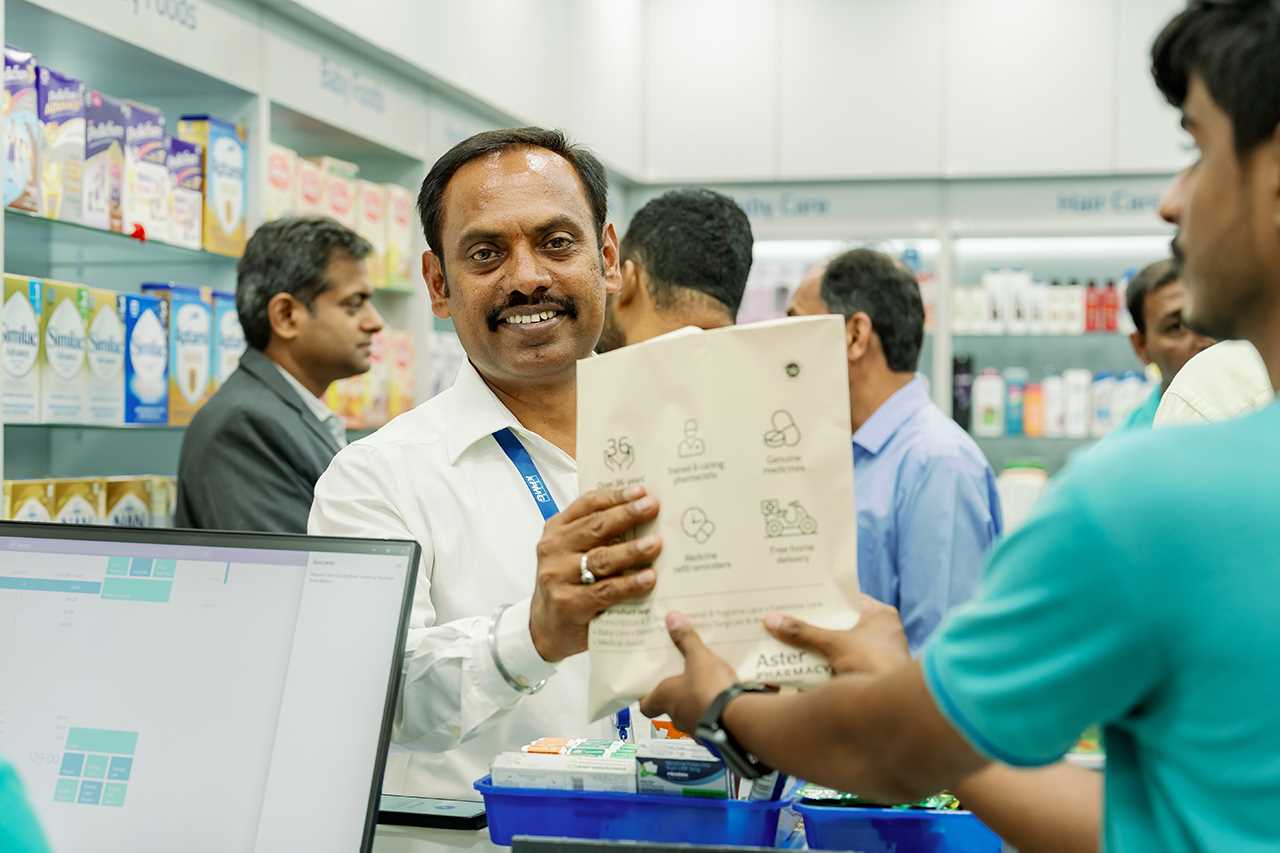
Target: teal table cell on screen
(136, 589)
(120, 769)
(118, 566)
(102, 740)
(164, 568)
(95, 767)
(90, 793)
(72, 763)
(140, 567)
(113, 794)
(65, 790)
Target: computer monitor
(168, 690)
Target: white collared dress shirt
(436, 475)
(318, 407)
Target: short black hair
(1235, 48)
(871, 282)
(289, 255)
(431, 197)
(1152, 278)
(692, 239)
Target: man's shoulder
(243, 397)
(932, 438)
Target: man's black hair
(870, 282)
(1234, 47)
(431, 198)
(289, 255)
(692, 240)
(1152, 278)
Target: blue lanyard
(528, 472)
(537, 487)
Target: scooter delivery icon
(791, 520)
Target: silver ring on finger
(585, 575)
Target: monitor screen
(172, 690)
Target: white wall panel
(1148, 137)
(860, 88)
(607, 73)
(711, 90)
(1028, 86)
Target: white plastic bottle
(1077, 317)
(1103, 396)
(1039, 317)
(988, 404)
(1054, 392)
(1077, 383)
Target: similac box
(185, 163)
(104, 122)
(164, 500)
(371, 224)
(146, 172)
(339, 189)
(79, 501)
(190, 348)
(146, 358)
(23, 304)
(23, 136)
(282, 181)
(399, 239)
(228, 337)
(226, 161)
(28, 500)
(128, 501)
(64, 367)
(60, 100)
(106, 359)
(308, 199)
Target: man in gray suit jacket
(251, 457)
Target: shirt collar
(475, 412)
(312, 402)
(892, 414)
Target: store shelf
(312, 137)
(1053, 453)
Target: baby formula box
(106, 359)
(309, 198)
(23, 136)
(185, 163)
(400, 219)
(226, 159)
(190, 347)
(371, 224)
(28, 500)
(146, 359)
(128, 501)
(64, 367)
(339, 189)
(61, 103)
(146, 172)
(80, 501)
(228, 337)
(282, 181)
(20, 392)
(104, 122)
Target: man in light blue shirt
(928, 510)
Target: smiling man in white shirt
(521, 259)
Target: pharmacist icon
(619, 454)
(784, 432)
(791, 520)
(691, 445)
(696, 525)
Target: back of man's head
(289, 255)
(690, 242)
(872, 283)
(1149, 280)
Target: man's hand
(685, 697)
(877, 644)
(562, 605)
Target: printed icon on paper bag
(691, 445)
(791, 520)
(619, 455)
(784, 432)
(696, 525)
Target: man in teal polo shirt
(1137, 595)
(19, 832)
(1156, 302)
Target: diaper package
(106, 359)
(400, 219)
(78, 501)
(308, 197)
(28, 500)
(228, 337)
(146, 359)
(282, 181)
(186, 194)
(371, 224)
(190, 347)
(226, 160)
(64, 368)
(146, 172)
(102, 200)
(23, 136)
(60, 100)
(20, 394)
(128, 501)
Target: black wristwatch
(712, 734)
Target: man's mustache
(565, 304)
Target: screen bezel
(409, 549)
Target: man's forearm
(1056, 808)
(877, 736)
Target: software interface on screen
(161, 697)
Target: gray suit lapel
(260, 367)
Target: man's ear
(631, 284)
(437, 286)
(857, 335)
(1138, 341)
(284, 313)
(610, 259)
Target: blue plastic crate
(626, 817)
(896, 830)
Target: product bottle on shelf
(1033, 411)
(1124, 322)
(962, 389)
(1018, 285)
(1054, 393)
(1110, 307)
(1077, 383)
(988, 404)
(1093, 307)
(1055, 319)
(997, 304)
(1039, 323)
(1015, 386)
(1077, 315)
(1103, 395)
